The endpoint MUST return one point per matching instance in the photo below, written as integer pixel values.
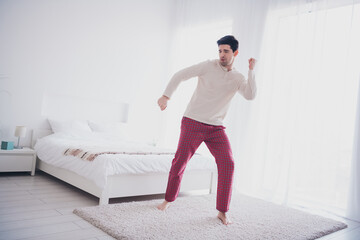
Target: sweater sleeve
(248, 88)
(182, 75)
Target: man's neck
(229, 67)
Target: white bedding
(50, 149)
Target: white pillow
(114, 128)
(76, 126)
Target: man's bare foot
(225, 220)
(163, 206)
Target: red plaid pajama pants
(193, 133)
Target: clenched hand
(162, 102)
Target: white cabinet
(18, 160)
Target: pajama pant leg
(190, 139)
(219, 146)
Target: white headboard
(67, 107)
(39, 133)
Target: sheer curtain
(298, 141)
(353, 208)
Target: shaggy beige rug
(195, 218)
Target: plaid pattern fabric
(193, 133)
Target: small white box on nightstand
(18, 160)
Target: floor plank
(38, 231)
(28, 215)
(38, 222)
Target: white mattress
(50, 149)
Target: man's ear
(236, 53)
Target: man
(218, 82)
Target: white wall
(108, 51)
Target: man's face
(226, 55)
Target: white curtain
(353, 208)
(296, 146)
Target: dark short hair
(229, 40)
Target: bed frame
(127, 185)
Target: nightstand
(18, 160)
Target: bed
(123, 168)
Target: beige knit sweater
(215, 89)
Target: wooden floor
(40, 207)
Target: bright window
(311, 77)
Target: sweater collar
(224, 68)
